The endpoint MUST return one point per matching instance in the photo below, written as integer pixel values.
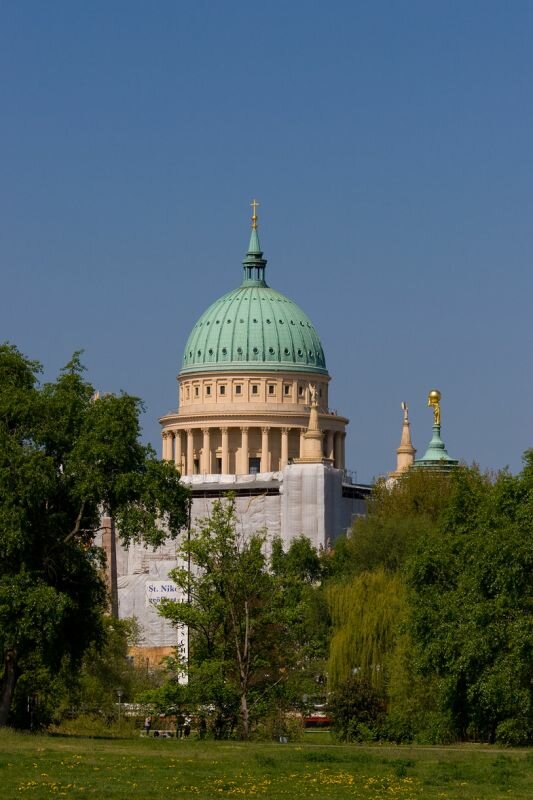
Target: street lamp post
(119, 695)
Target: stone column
(265, 466)
(206, 452)
(189, 467)
(338, 449)
(177, 451)
(302, 441)
(167, 446)
(245, 452)
(330, 449)
(284, 447)
(343, 451)
(225, 451)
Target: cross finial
(254, 205)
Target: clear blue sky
(390, 145)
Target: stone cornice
(238, 419)
(257, 373)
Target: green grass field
(40, 767)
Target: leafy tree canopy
(366, 613)
(237, 635)
(472, 604)
(398, 514)
(431, 602)
(255, 622)
(66, 457)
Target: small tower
(405, 454)
(313, 437)
(436, 456)
(254, 264)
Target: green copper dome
(254, 328)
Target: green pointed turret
(254, 248)
(254, 264)
(436, 456)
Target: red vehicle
(317, 719)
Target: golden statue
(434, 402)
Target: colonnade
(193, 450)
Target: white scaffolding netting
(142, 578)
(303, 500)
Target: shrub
(358, 711)
(515, 732)
(397, 728)
(277, 725)
(96, 726)
(435, 727)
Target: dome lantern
(254, 264)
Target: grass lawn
(40, 767)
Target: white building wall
(309, 503)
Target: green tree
(358, 709)
(472, 605)
(238, 631)
(366, 612)
(365, 588)
(106, 668)
(398, 515)
(298, 574)
(298, 571)
(370, 604)
(431, 601)
(64, 458)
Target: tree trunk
(245, 717)
(7, 685)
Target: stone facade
(247, 423)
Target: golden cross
(254, 205)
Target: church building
(253, 378)
(253, 418)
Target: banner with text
(157, 590)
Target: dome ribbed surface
(254, 328)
